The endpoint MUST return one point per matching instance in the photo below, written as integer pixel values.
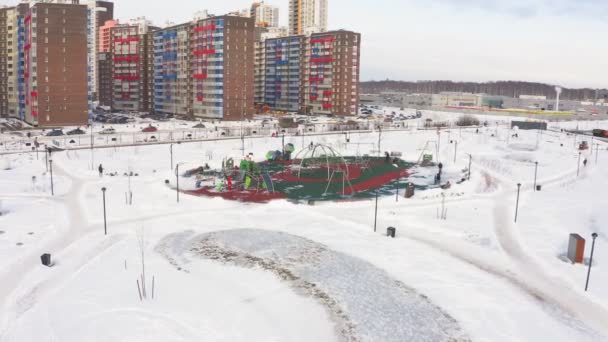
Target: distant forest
(501, 88)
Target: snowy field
(475, 275)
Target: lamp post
(171, 152)
(535, 174)
(594, 236)
(455, 150)
(470, 165)
(376, 211)
(517, 202)
(597, 152)
(105, 224)
(578, 167)
(92, 143)
(177, 181)
(51, 168)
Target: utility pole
(578, 167)
(455, 150)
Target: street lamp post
(455, 150)
(105, 224)
(517, 203)
(470, 165)
(51, 168)
(597, 152)
(171, 152)
(578, 167)
(535, 174)
(376, 211)
(177, 181)
(594, 236)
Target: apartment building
(332, 62)
(205, 68)
(284, 73)
(104, 35)
(316, 74)
(172, 76)
(307, 16)
(105, 81)
(264, 15)
(132, 63)
(55, 64)
(11, 69)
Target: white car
(108, 131)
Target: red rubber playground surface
(313, 183)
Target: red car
(149, 129)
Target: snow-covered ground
(495, 279)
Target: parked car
(76, 131)
(108, 131)
(55, 133)
(149, 129)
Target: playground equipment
(316, 173)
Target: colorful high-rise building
(307, 16)
(316, 74)
(214, 79)
(284, 73)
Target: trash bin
(409, 190)
(391, 231)
(46, 259)
(538, 187)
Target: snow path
(366, 303)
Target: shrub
(467, 120)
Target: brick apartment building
(132, 63)
(55, 64)
(332, 61)
(205, 68)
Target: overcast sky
(554, 41)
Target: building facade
(172, 70)
(316, 74)
(264, 15)
(205, 69)
(132, 60)
(307, 16)
(55, 64)
(105, 80)
(104, 35)
(284, 73)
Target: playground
(316, 173)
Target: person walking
(585, 162)
(100, 168)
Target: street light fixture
(535, 174)
(594, 236)
(177, 180)
(51, 168)
(517, 203)
(171, 152)
(105, 225)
